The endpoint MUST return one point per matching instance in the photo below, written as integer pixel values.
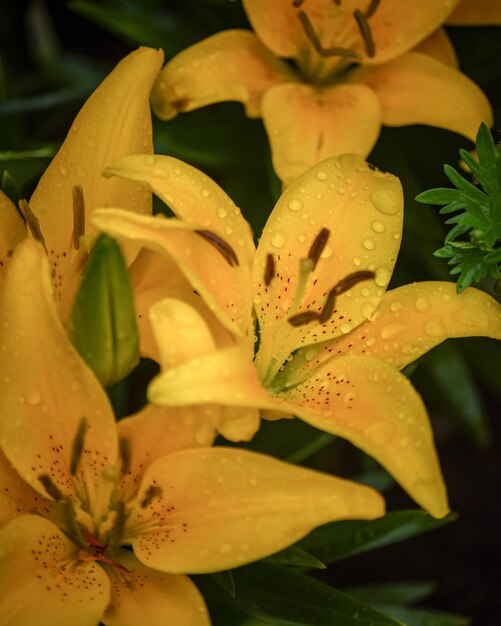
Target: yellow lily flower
(79, 490)
(355, 66)
(331, 340)
(114, 122)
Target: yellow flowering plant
(331, 338)
(325, 75)
(102, 521)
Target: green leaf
(295, 557)
(288, 596)
(339, 540)
(102, 322)
(424, 617)
(399, 593)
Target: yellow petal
(147, 596)
(473, 12)
(41, 582)
(210, 275)
(363, 210)
(416, 89)
(414, 318)
(12, 230)
(115, 121)
(17, 497)
(439, 46)
(192, 196)
(306, 125)
(227, 507)
(225, 376)
(396, 26)
(180, 331)
(232, 65)
(371, 404)
(45, 388)
(156, 431)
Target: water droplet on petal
(205, 193)
(321, 175)
(357, 261)
(422, 304)
(386, 201)
(434, 328)
(63, 170)
(368, 243)
(222, 212)
(301, 238)
(150, 160)
(295, 204)
(278, 239)
(396, 306)
(378, 227)
(33, 397)
(382, 277)
(345, 328)
(391, 330)
(326, 252)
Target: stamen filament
(72, 525)
(118, 527)
(305, 268)
(269, 270)
(222, 246)
(78, 216)
(32, 223)
(78, 444)
(365, 31)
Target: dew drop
(310, 354)
(396, 306)
(205, 193)
(368, 243)
(222, 212)
(357, 261)
(368, 311)
(278, 239)
(150, 160)
(295, 204)
(386, 201)
(33, 397)
(321, 175)
(422, 304)
(391, 330)
(326, 252)
(345, 328)
(63, 170)
(434, 328)
(382, 277)
(301, 238)
(256, 299)
(378, 227)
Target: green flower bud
(102, 323)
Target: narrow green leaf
(424, 617)
(286, 595)
(398, 593)
(295, 557)
(339, 540)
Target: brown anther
(315, 41)
(222, 246)
(78, 216)
(152, 492)
(353, 279)
(32, 222)
(78, 444)
(341, 287)
(269, 270)
(118, 527)
(297, 3)
(125, 454)
(337, 2)
(300, 319)
(365, 31)
(371, 9)
(50, 487)
(318, 245)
